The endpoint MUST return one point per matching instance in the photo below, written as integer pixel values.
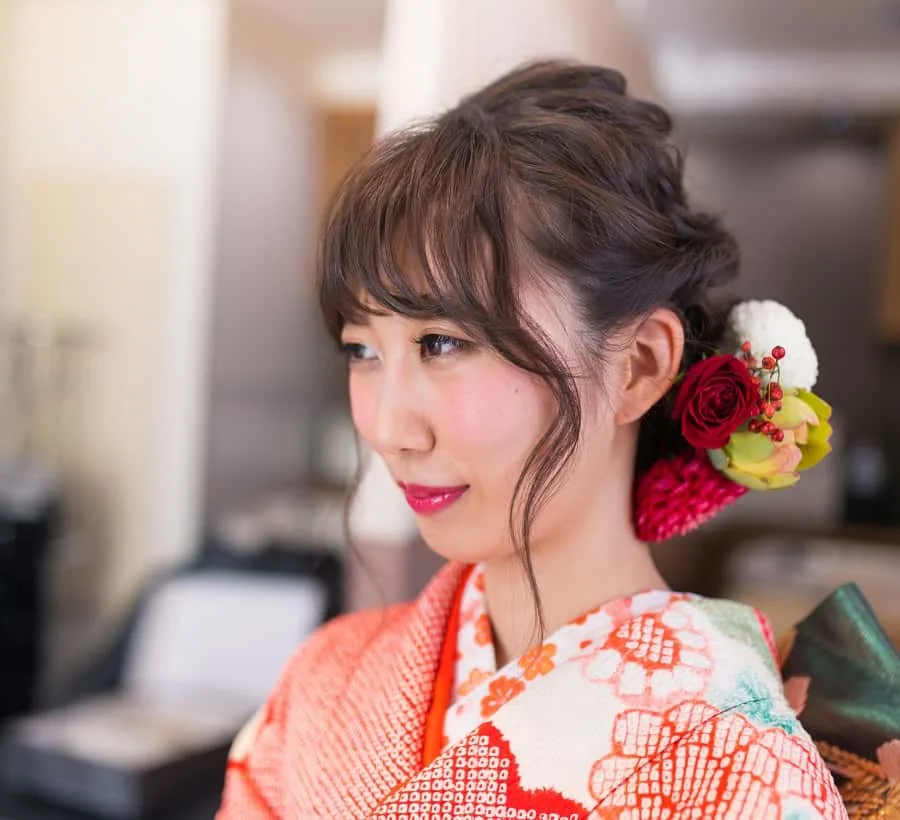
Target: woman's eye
(356, 352)
(434, 345)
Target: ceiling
(785, 26)
(339, 25)
(710, 54)
(774, 56)
(867, 26)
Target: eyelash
(457, 345)
(355, 351)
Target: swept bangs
(421, 227)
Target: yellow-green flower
(757, 461)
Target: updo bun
(605, 185)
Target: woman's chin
(466, 545)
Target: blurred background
(175, 446)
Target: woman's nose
(401, 423)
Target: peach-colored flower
(538, 661)
(888, 755)
(582, 619)
(483, 634)
(468, 613)
(476, 677)
(796, 693)
(500, 692)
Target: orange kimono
(660, 705)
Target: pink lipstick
(429, 500)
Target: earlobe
(653, 359)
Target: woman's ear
(651, 361)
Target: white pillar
(436, 51)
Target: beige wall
(7, 11)
(110, 146)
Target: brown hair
(551, 171)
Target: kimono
(659, 705)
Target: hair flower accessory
(768, 325)
(750, 420)
(716, 397)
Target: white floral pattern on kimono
(670, 661)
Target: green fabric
(854, 672)
(761, 707)
(739, 622)
(752, 691)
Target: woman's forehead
(549, 308)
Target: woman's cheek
(363, 403)
(491, 415)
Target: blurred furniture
(28, 508)
(145, 730)
(787, 571)
(889, 303)
(106, 672)
(13, 807)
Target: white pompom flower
(768, 324)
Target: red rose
(716, 397)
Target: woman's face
(455, 424)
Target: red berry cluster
(770, 394)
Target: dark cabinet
(25, 537)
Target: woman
(521, 290)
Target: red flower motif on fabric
(538, 661)
(655, 657)
(716, 764)
(501, 691)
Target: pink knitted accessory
(677, 495)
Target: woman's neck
(571, 580)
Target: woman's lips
(429, 500)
